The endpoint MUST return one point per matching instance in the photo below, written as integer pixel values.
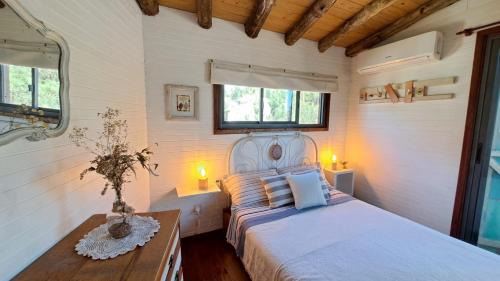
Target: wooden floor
(208, 257)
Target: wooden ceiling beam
(149, 7)
(258, 17)
(358, 19)
(313, 14)
(204, 13)
(401, 24)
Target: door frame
(468, 147)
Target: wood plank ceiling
(343, 23)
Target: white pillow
(306, 168)
(324, 183)
(306, 190)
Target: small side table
(342, 180)
(159, 259)
(187, 192)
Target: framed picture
(182, 102)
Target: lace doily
(99, 245)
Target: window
(37, 88)
(241, 109)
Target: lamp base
(203, 184)
(334, 166)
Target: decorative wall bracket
(413, 91)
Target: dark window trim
(2, 87)
(34, 87)
(221, 127)
(4, 82)
(13, 108)
(457, 224)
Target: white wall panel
(41, 196)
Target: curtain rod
(470, 31)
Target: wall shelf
(408, 92)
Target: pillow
(246, 188)
(306, 189)
(305, 168)
(277, 190)
(324, 183)
(299, 168)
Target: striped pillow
(277, 190)
(299, 168)
(246, 188)
(307, 168)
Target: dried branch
(114, 160)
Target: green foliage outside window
(48, 88)
(243, 104)
(21, 86)
(309, 107)
(279, 105)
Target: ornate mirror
(33, 77)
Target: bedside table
(182, 192)
(342, 180)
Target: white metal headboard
(252, 153)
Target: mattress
(351, 240)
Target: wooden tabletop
(61, 262)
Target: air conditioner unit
(422, 48)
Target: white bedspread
(356, 241)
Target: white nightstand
(342, 180)
(187, 192)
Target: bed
(345, 240)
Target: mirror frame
(37, 133)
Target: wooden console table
(159, 259)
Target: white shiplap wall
(41, 196)
(176, 51)
(407, 155)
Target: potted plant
(115, 161)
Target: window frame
(241, 127)
(11, 109)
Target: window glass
(279, 105)
(20, 85)
(48, 88)
(243, 109)
(309, 108)
(241, 103)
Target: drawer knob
(171, 262)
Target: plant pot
(118, 219)
(118, 225)
(119, 229)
